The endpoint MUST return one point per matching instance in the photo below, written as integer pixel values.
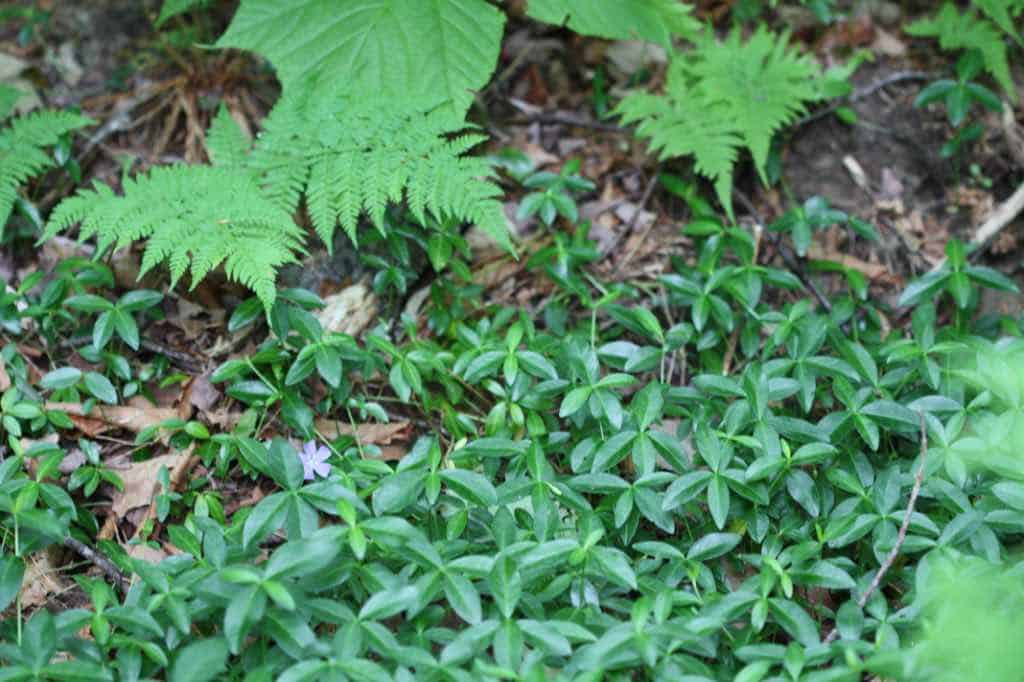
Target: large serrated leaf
(406, 49)
(653, 20)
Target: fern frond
(352, 158)
(22, 150)
(724, 96)
(226, 144)
(195, 218)
(966, 31)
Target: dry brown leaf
(5, 381)
(148, 554)
(42, 577)
(139, 480)
(372, 434)
(349, 311)
(133, 419)
(870, 270)
(200, 393)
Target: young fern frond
(724, 96)
(23, 153)
(351, 158)
(345, 160)
(967, 31)
(196, 218)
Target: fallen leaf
(42, 577)
(630, 56)
(349, 311)
(149, 554)
(5, 381)
(870, 270)
(134, 419)
(140, 482)
(371, 434)
(201, 394)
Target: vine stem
(901, 536)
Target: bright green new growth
(346, 159)
(351, 157)
(967, 31)
(23, 144)
(973, 615)
(195, 218)
(723, 96)
(654, 20)
(404, 50)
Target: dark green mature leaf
(199, 661)
(712, 546)
(12, 570)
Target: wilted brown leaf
(372, 434)
(139, 480)
(42, 577)
(133, 419)
(349, 311)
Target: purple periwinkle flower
(314, 461)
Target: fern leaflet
(22, 149)
(724, 96)
(352, 157)
(196, 218)
(966, 31)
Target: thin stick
(1000, 218)
(867, 91)
(901, 536)
(180, 358)
(568, 120)
(99, 560)
(633, 219)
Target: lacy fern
(23, 146)
(195, 218)
(967, 31)
(352, 157)
(345, 159)
(724, 96)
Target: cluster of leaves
(984, 44)
(581, 511)
(986, 34)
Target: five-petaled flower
(314, 461)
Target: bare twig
(1002, 216)
(633, 219)
(866, 91)
(901, 536)
(569, 120)
(180, 358)
(99, 560)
